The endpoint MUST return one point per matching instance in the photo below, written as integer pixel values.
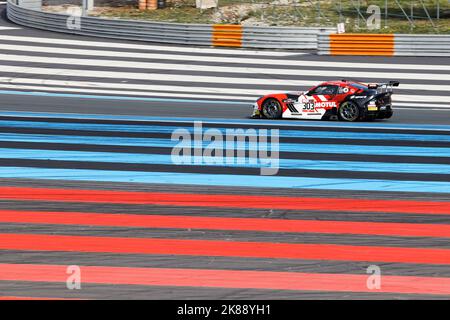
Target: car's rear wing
(384, 87)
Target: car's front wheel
(348, 111)
(271, 109)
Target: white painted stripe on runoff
(131, 86)
(8, 28)
(114, 45)
(244, 70)
(125, 92)
(249, 61)
(178, 77)
(420, 98)
(415, 106)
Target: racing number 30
(308, 106)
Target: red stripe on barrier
(217, 223)
(29, 242)
(226, 279)
(226, 201)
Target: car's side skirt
(317, 115)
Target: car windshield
(320, 90)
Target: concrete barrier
(161, 32)
(384, 45)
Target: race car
(344, 100)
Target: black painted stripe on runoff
(139, 292)
(133, 167)
(232, 84)
(198, 189)
(227, 235)
(51, 89)
(120, 80)
(283, 155)
(219, 263)
(345, 141)
(42, 206)
(275, 124)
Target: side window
(343, 90)
(328, 90)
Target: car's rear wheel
(271, 109)
(349, 111)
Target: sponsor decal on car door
(313, 107)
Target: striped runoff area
(103, 193)
(103, 68)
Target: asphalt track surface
(86, 179)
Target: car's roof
(342, 82)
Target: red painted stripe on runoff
(217, 223)
(226, 279)
(226, 201)
(30, 242)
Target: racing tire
(271, 109)
(349, 111)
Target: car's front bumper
(256, 113)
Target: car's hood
(295, 93)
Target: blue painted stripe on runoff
(256, 122)
(284, 147)
(224, 180)
(227, 179)
(170, 129)
(165, 159)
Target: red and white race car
(345, 100)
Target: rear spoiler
(384, 87)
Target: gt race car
(344, 100)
